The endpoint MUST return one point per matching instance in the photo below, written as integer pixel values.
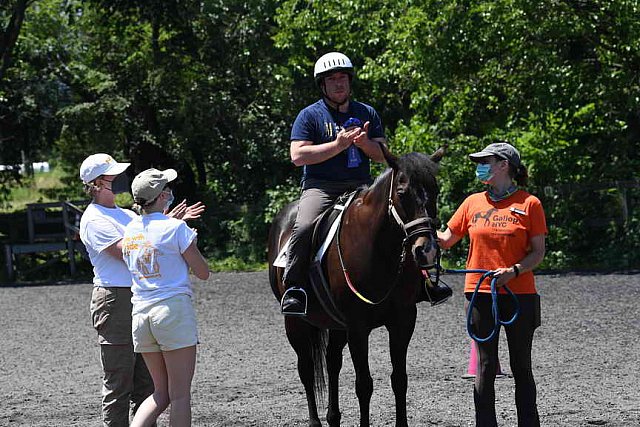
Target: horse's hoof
(334, 420)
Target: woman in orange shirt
(506, 228)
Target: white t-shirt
(153, 246)
(101, 227)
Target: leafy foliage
(216, 84)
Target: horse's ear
(439, 154)
(391, 160)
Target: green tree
(556, 78)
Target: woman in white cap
(159, 252)
(507, 228)
(125, 376)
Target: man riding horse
(334, 140)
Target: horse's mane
(418, 166)
(380, 178)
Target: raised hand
(186, 213)
(346, 137)
(362, 137)
(178, 211)
(194, 211)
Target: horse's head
(412, 202)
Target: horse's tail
(318, 345)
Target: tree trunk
(10, 35)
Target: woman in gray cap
(126, 382)
(507, 228)
(159, 251)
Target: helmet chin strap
(331, 102)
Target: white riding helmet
(331, 63)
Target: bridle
(418, 227)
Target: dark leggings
(519, 339)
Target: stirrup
(440, 301)
(296, 293)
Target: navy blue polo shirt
(320, 124)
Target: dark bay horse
(387, 236)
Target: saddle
(325, 227)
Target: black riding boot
(294, 301)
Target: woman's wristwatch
(516, 269)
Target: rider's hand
(363, 136)
(503, 275)
(346, 137)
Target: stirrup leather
(295, 292)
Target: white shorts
(167, 325)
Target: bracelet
(516, 269)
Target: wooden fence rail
(52, 227)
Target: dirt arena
(586, 358)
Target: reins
(494, 304)
(408, 235)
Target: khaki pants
(313, 201)
(126, 379)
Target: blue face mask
(483, 172)
(169, 201)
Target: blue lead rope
(494, 305)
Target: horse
(372, 281)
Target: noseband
(418, 227)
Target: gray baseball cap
(148, 184)
(502, 150)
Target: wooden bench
(51, 227)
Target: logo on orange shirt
(484, 215)
(493, 219)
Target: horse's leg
(400, 333)
(337, 341)
(359, 349)
(303, 337)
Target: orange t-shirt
(499, 234)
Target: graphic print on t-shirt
(328, 131)
(484, 215)
(143, 254)
(147, 262)
(498, 221)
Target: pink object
(472, 369)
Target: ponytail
(90, 189)
(519, 174)
(140, 206)
(137, 208)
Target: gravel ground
(586, 358)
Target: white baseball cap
(148, 184)
(100, 164)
